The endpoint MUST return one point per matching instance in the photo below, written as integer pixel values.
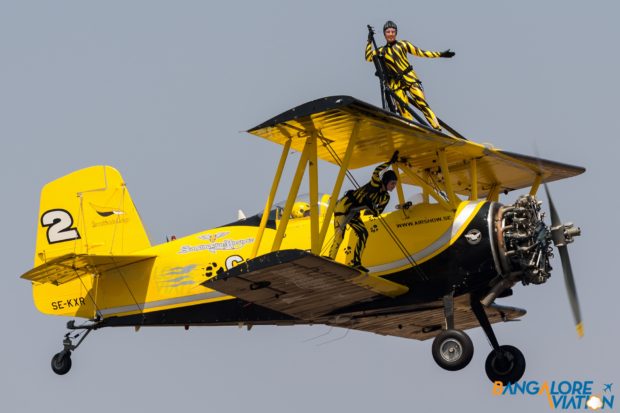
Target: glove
(371, 33)
(447, 53)
(394, 158)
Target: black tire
(453, 350)
(61, 362)
(507, 366)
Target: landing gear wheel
(61, 362)
(506, 366)
(452, 349)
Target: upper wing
(301, 284)
(334, 119)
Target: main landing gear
(453, 349)
(61, 362)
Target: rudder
(88, 211)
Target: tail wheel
(452, 350)
(506, 365)
(61, 362)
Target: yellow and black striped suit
(402, 77)
(373, 196)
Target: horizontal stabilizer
(301, 284)
(71, 266)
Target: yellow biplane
(436, 264)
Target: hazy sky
(161, 90)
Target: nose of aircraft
(525, 246)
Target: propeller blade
(555, 218)
(569, 280)
(571, 289)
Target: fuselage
(429, 249)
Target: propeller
(562, 234)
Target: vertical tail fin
(88, 211)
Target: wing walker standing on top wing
(432, 269)
(399, 82)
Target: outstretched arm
(426, 53)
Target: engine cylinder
(524, 241)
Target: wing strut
(445, 172)
(425, 186)
(338, 184)
(288, 207)
(313, 178)
(473, 177)
(270, 199)
(536, 185)
(309, 159)
(399, 186)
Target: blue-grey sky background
(162, 91)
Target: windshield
(300, 207)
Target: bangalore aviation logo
(562, 395)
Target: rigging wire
(138, 307)
(335, 339)
(319, 336)
(88, 291)
(435, 185)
